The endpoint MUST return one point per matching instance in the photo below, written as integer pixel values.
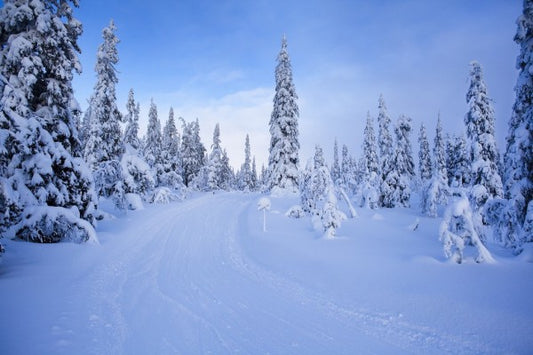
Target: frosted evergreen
(396, 189)
(385, 144)
(44, 181)
(424, 157)
(171, 170)
(192, 151)
(131, 132)
(336, 174)
(370, 170)
(284, 145)
(484, 155)
(457, 161)
(518, 159)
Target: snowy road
(178, 278)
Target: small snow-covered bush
(138, 177)
(458, 229)
(134, 202)
(46, 224)
(295, 211)
(164, 195)
(330, 216)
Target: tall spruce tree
(371, 178)
(131, 132)
(385, 144)
(457, 161)
(518, 159)
(245, 177)
(153, 143)
(335, 167)
(170, 154)
(192, 151)
(424, 157)
(396, 188)
(284, 144)
(47, 193)
(479, 121)
(105, 145)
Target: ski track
(182, 284)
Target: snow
(200, 276)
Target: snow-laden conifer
(245, 179)
(436, 190)
(192, 151)
(424, 157)
(457, 161)
(211, 174)
(385, 144)
(46, 188)
(284, 144)
(104, 146)
(396, 189)
(479, 121)
(170, 155)
(518, 159)
(153, 144)
(370, 179)
(335, 167)
(131, 132)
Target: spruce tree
(284, 145)
(518, 159)
(104, 147)
(371, 179)
(335, 167)
(245, 177)
(424, 158)
(192, 151)
(131, 132)
(46, 192)
(153, 145)
(457, 161)
(385, 144)
(170, 154)
(396, 188)
(479, 121)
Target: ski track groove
(172, 260)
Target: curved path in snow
(177, 281)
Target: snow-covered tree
(371, 178)
(255, 179)
(457, 161)
(211, 174)
(347, 171)
(385, 144)
(284, 145)
(335, 167)
(192, 151)
(458, 229)
(396, 189)
(131, 132)
(424, 158)
(46, 188)
(479, 121)
(170, 155)
(104, 147)
(518, 159)
(245, 175)
(436, 190)
(154, 143)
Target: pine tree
(335, 167)
(424, 158)
(245, 177)
(457, 161)
(153, 145)
(46, 192)
(170, 154)
(385, 144)
(255, 179)
(210, 176)
(396, 188)
(347, 170)
(436, 190)
(371, 179)
(131, 132)
(284, 145)
(192, 151)
(479, 121)
(518, 160)
(104, 147)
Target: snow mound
(164, 195)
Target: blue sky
(215, 60)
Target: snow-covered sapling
(458, 229)
(263, 205)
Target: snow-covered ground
(201, 276)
